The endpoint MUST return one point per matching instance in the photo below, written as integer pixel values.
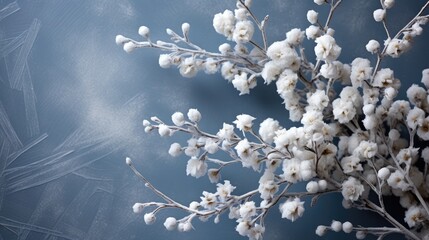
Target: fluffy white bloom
(415, 117)
(165, 60)
(321, 230)
(416, 94)
(243, 149)
(367, 149)
(224, 23)
(228, 71)
(323, 184)
(347, 227)
(224, 48)
(267, 189)
(399, 109)
(312, 187)
(291, 170)
(344, 111)
(184, 226)
(326, 48)
(331, 70)
(241, 83)
(243, 228)
(247, 210)
(164, 130)
(423, 130)
(208, 200)
(292, 209)
(415, 215)
(194, 115)
(384, 78)
(144, 31)
(175, 149)
(226, 132)
(129, 47)
(149, 218)
(295, 36)
(170, 223)
(407, 155)
(256, 232)
(188, 68)
(224, 190)
(361, 70)
(396, 180)
(396, 47)
(211, 66)
(196, 168)
(271, 71)
(286, 83)
(318, 100)
(351, 94)
(244, 122)
(178, 119)
(312, 32)
(372, 46)
(267, 129)
(425, 77)
(311, 117)
(312, 16)
(388, 3)
(119, 39)
(243, 31)
(352, 189)
(351, 164)
(379, 15)
(138, 207)
(319, 2)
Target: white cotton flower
(175, 149)
(224, 48)
(228, 70)
(244, 149)
(196, 168)
(361, 70)
(178, 119)
(347, 227)
(184, 226)
(224, 190)
(144, 31)
(226, 132)
(367, 149)
(372, 46)
(423, 129)
(291, 170)
(267, 129)
(416, 94)
(388, 3)
(408, 156)
(351, 94)
(336, 226)
(396, 180)
(243, 31)
(352, 189)
(119, 39)
(164, 130)
(311, 117)
(149, 218)
(384, 78)
(244, 122)
(208, 200)
(224, 23)
(247, 210)
(194, 205)
(399, 109)
(321, 230)
(415, 215)
(165, 60)
(240, 14)
(211, 146)
(344, 111)
(379, 15)
(170, 223)
(129, 47)
(243, 228)
(286, 83)
(319, 2)
(323, 184)
(194, 115)
(331, 70)
(241, 84)
(326, 48)
(312, 32)
(188, 68)
(211, 66)
(368, 109)
(395, 48)
(295, 36)
(312, 16)
(267, 189)
(425, 77)
(292, 209)
(138, 207)
(214, 175)
(312, 187)
(318, 100)
(415, 117)
(256, 232)
(351, 164)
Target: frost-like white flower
(170, 223)
(347, 227)
(243, 228)
(208, 200)
(344, 111)
(318, 100)
(312, 187)
(226, 132)
(243, 31)
(178, 119)
(196, 168)
(388, 3)
(321, 230)
(164, 130)
(379, 15)
(194, 115)
(244, 122)
(224, 23)
(228, 71)
(211, 66)
(336, 226)
(415, 215)
(399, 109)
(267, 189)
(292, 209)
(165, 60)
(408, 155)
(312, 16)
(224, 190)
(271, 71)
(326, 48)
(423, 130)
(395, 48)
(396, 180)
(291, 170)
(184, 226)
(331, 70)
(361, 70)
(351, 164)
(175, 149)
(244, 149)
(312, 32)
(367, 149)
(188, 68)
(241, 83)
(384, 78)
(138, 207)
(352, 189)
(372, 46)
(286, 83)
(425, 77)
(149, 218)
(319, 2)
(267, 129)
(129, 46)
(247, 210)
(295, 36)
(416, 94)
(415, 117)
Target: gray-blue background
(80, 99)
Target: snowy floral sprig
(356, 142)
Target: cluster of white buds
(358, 141)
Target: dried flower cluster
(355, 137)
